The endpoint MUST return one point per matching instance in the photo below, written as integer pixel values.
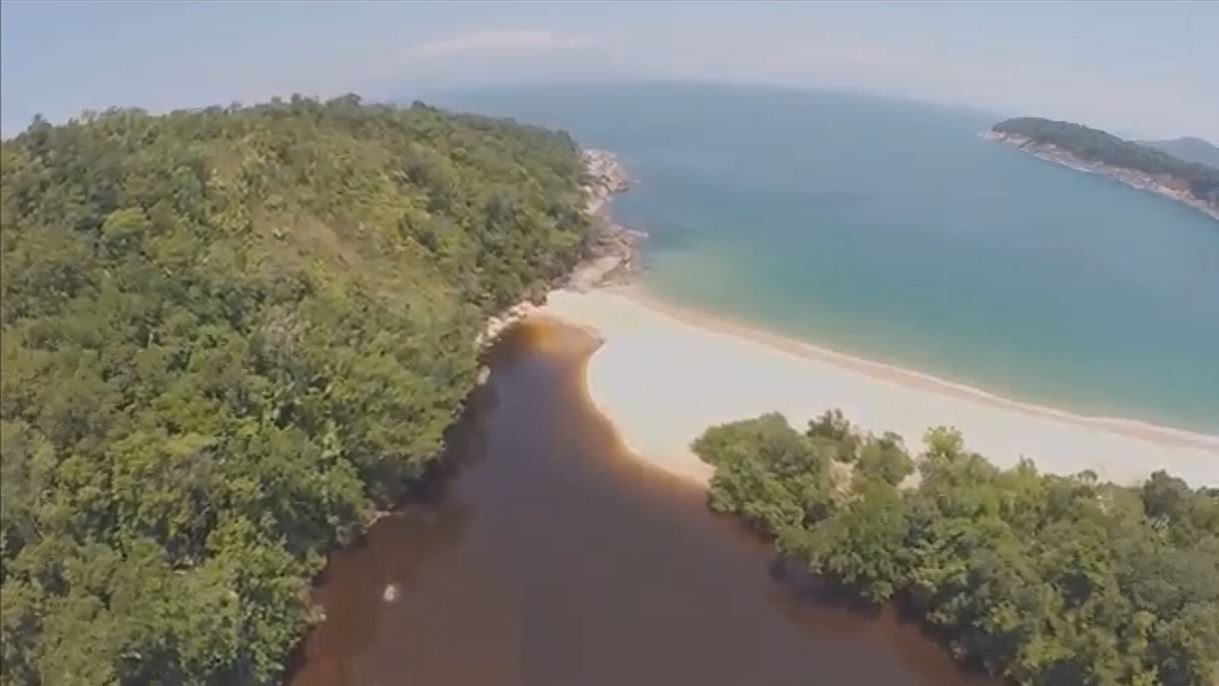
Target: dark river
(549, 556)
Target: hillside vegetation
(1188, 149)
(229, 335)
(1094, 145)
(1049, 580)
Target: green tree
(1040, 579)
(884, 459)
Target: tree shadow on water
(364, 582)
(795, 582)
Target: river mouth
(549, 556)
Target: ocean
(888, 229)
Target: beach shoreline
(664, 373)
(888, 371)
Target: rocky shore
(610, 251)
(1167, 186)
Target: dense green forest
(1095, 145)
(1040, 579)
(228, 336)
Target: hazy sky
(1147, 69)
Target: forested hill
(1096, 146)
(1188, 149)
(228, 335)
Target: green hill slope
(1188, 149)
(227, 336)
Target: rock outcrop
(610, 251)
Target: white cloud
(501, 41)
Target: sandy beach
(663, 374)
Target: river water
(550, 556)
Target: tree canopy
(227, 336)
(1041, 579)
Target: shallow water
(549, 556)
(888, 229)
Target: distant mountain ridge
(1189, 149)
(1099, 152)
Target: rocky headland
(610, 250)
(1164, 184)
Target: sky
(1138, 69)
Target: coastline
(665, 373)
(1135, 179)
(609, 252)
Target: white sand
(663, 375)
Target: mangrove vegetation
(1041, 579)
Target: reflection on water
(551, 557)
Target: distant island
(1092, 150)
(1189, 149)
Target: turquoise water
(888, 229)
